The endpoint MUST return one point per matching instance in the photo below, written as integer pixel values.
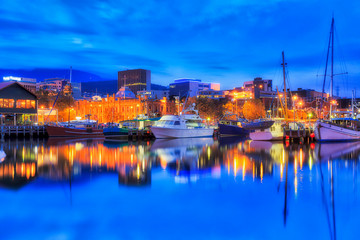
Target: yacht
(182, 126)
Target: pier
(299, 135)
(22, 131)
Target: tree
(253, 109)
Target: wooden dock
(22, 131)
(299, 135)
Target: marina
(195, 120)
(59, 179)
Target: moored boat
(231, 127)
(337, 129)
(172, 126)
(184, 126)
(87, 132)
(272, 133)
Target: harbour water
(179, 189)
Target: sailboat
(335, 129)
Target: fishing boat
(116, 132)
(272, 133)
(337, 129)
(88, 131)
(76, 128)
(232, 127)
(184, 125)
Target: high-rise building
(186, 86)
(136, 79)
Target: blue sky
(217, 41)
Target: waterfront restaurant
(17, 104)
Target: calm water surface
(178, 189)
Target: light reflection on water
(228, 188)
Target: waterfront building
(183, 87)
(115, 109)
(17, 104)
(28, 83)
(136, 79)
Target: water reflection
(295, 169)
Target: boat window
(177, 123)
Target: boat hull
(330, 132)
(232, 130)
(54, 131)
(162, 132)
(265, 136)
(115, 133)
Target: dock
(299, 135)
(22, 131)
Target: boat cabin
(349, 123)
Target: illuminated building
(28, 83)
(136, 79)
(213, 94)
(15, 101)
(115, 109)
(183, 87)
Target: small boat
(232, 127)
(337, 129)
(183, 126)
(89, 131)
(116, 133)
(272, 133)
(259, 124)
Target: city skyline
(228, 43)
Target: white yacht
(183, 126)
(272, 133)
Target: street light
(310, 116)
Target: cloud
(210, 39)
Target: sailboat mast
(332, 65)
(283, 65)
(332, 59)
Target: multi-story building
(115, 109)
(213, 94)
(52, 84)
(56, 85)
(183, 87)
(136, 79)
(154, 94)
(28, 83)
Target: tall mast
(332, 59)
(283, 65)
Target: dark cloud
(212, 39)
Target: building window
(7, 103)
